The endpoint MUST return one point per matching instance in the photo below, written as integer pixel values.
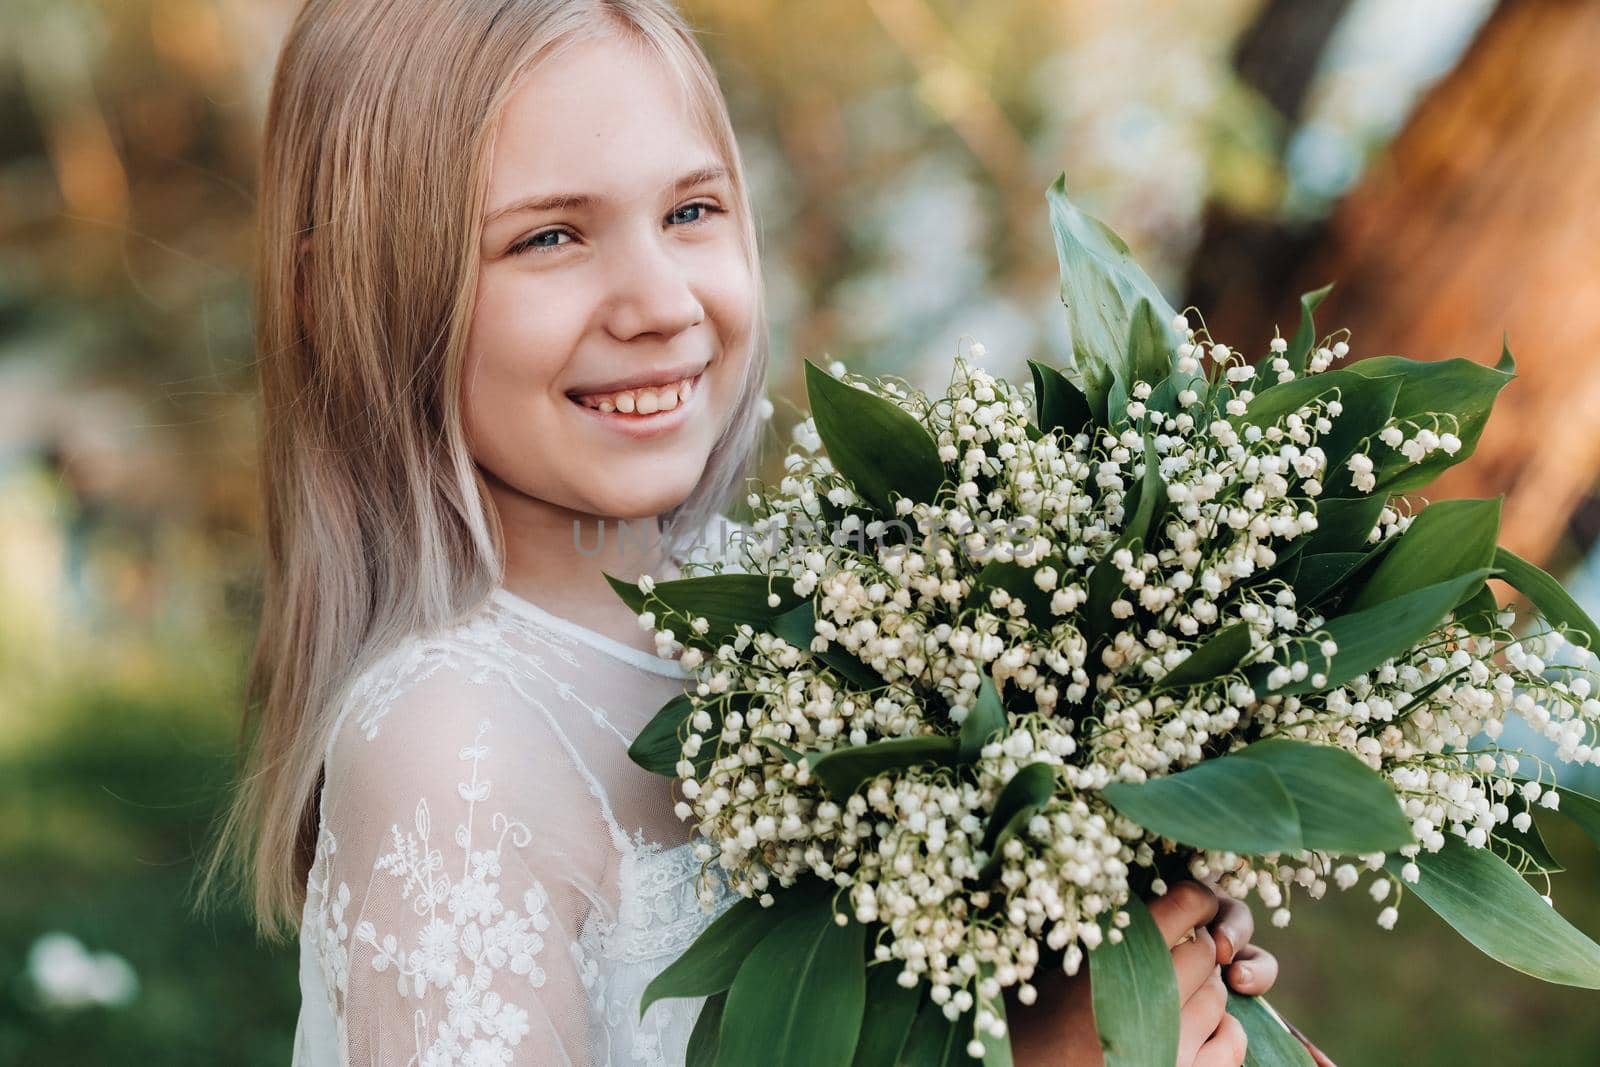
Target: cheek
(516, 352)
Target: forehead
(604, 117)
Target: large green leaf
(934, 1041)
(1272, 404)
(1028, 791)
(845, 769)
(1367, 405)
(705, 1038)
(1450, 538)
(798, 626)
(1135, 991)
(1343, 805)
(1491, 906)
(1458, 387)
(709, 964)
(657, 748)
(1268, 1042)
(1554, 602)
(1060, 404)
(1225, 650)
(1223, 803)
(873, 441)
(1101, 286)
(1152, 345)
(891, 1009)
(1344, 523)
(984, 720)
(1367, 638)
(725, 600)
(1519, 847)
(1305, 338)
(799, 997)
(1276, 795)
(1321, 574)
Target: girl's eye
(536, 241)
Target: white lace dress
(494, 880)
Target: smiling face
(636, 277)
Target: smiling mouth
(642, 402)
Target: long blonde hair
(378, 136)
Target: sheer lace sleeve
(459, 853)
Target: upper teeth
(642, 401)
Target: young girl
(512, 340)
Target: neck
(558, 558)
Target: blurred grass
(102, 818)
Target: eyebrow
(560, 201)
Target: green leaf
(1582, 809)
(709, 964)
(798, 626)
(873, 441)
(1219, 656)
(658, 747)
(1305, 338)
(1268, 1041)
(1458, 387)
(1101, 286)
(996, 1051)
(1061, 406)
(1344, 806)
(1448, 539)
(1272, 404)
(726, 600)
(1490, 905)
(934, 1041)
(1323, 573)
(846, 769)
(1028, 791)
(891, 1009)
(1144, 502)
(1226, 803)
(986, 718)
(799, 998)
(1152, 345)
(1017, 580)
(705, 1039)
(1367, 638)
(1367, 404)
(1477, 612)
(1276, 795)
(1134, 987)
(1344, 523)
(1553, 602)
(1517, 847)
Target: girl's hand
(1044, 1035)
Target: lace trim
(634, 657)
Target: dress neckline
(636, 657)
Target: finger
(1202, 1014)
(1233, 927)
(1183, 907)
(1226, 1047)
(1194, 962)
(1252, 971)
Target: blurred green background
(1438, 159)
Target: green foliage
(879, 446)
(1134, 987)
(1490, 905)
(845, 769)
(800, 995)
(1267, 1042)
(1276, 795)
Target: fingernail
(1242, 973)
(1226, 947)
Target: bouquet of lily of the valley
(996, 666)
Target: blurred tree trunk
(1479, 218)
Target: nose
(653, 290)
